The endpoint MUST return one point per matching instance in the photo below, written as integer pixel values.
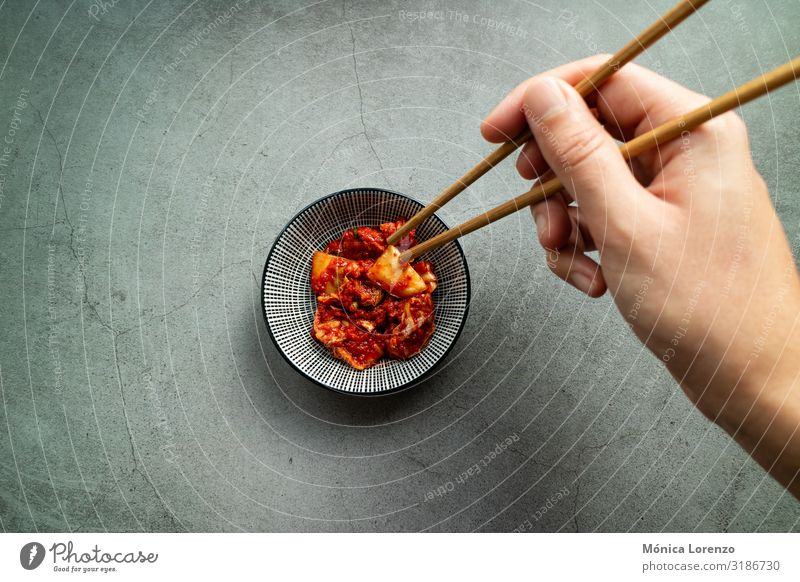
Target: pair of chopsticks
(668, 131)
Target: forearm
(758, 403)
(765, 421)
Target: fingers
(631, 102)
(507, 120)
(553, 224)
(579, 231)
(635, 100)
(580, 152)
(561, 235)
(530, 163)
(632, 97)
(574, 267)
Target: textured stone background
(157, 150)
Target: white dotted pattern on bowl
(289, 303)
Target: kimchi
(370, 304)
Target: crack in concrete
(584, 449)
(58, 151)
(220, 108)
(188, 301)
(602, 446)
(135, 468)
(120, 332)
(424, 466)
(575, 512)
(90, 304)
(124, 406)
(358, 86)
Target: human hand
(689, 244)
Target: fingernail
(580, 280)
(541, 224)
(546, 97)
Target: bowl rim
(410, 383)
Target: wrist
(758, 404)
(755, 372)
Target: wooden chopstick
(635, 47)
(668, 131)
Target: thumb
(581, 153)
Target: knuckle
(728, 126)
(622, 228)
(579, 145)
(602, 57)
(733, 123)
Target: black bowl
(289, 304)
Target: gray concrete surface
(156, 150)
